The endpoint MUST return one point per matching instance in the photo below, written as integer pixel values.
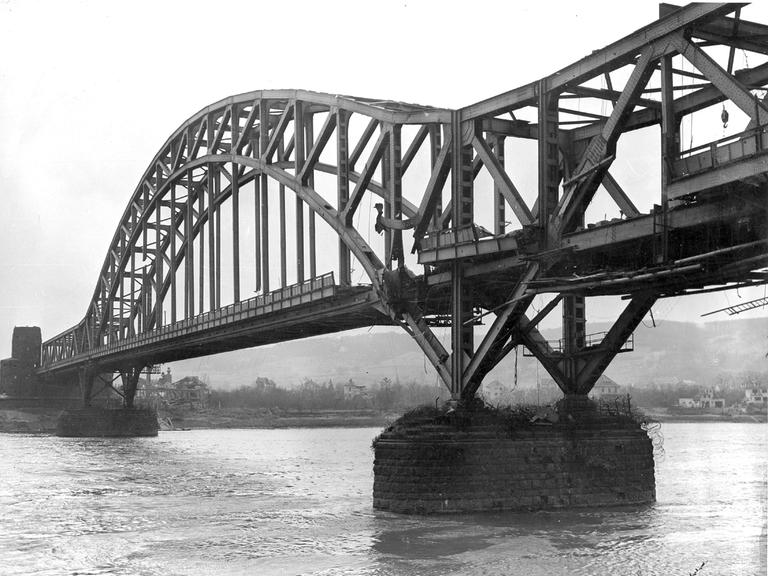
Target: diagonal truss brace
(577, 373)
(597, 157)
(730, 87)
(365, 178)
(616, 192)
(502, 180)
(599, 358)
(317, 148)
(499, 331)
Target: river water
(298, 501)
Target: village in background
(678, 371)
(735, 395)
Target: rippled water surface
(299, 502)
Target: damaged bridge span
(172, 283)
(159, 295)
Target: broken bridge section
(705, 230)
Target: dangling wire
(602, 102)
(514, 387)
(684, 65)
(690, 144)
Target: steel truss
(290, 137)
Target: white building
(755, 396)
(606, 389)
(352, 390)
(709, 402)
(495, 393)
(705, 401)
(687, 403)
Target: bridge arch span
(252, 140)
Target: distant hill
(682, 350)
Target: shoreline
(659, 416)
(42, 420)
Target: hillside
(683, 350)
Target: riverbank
(662, 415)
(262, 418)
(42, 420)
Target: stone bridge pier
(470, 457)
(98, 420)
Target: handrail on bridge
(454, 236)
(590, 341)
(301, 290)
(720, 152)
(753, 132)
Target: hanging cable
(602, 101)
(514, 387)
(690, 144)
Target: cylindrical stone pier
(468, 463)
(103, 422)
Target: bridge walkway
(310, 308)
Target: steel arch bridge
(172, 284)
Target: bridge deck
(711, 167)
(743, 157)
(315, 307)
(451, 244)
(615, 249)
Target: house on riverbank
(705, 402)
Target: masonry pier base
(104, 422)
(453, 463)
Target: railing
(454, 236)
(720, 152)
(590, 341)
(288, 297)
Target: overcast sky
(89, 91)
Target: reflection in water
(299, 502)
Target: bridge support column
(95, 421)
(130, 379)
(473, 458)
(342, 190)
(573, 338)
(85, 378)
(462, 333)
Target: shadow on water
(430, 537)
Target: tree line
(394, 396)
(386, 395)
